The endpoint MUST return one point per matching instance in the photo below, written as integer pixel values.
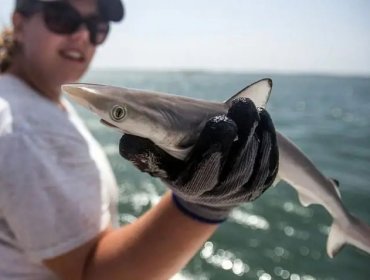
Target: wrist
(201, 213)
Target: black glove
(234, 160)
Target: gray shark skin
(174, 123)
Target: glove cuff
(200, 213)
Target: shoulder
(11, 86)
(34, 130)
(27, 112)
(17, 103)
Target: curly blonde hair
(8, 47)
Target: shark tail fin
(259, 92)
(355, 233)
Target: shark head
(153, 115)
(112, 105)
(170, 121)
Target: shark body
(175, 122)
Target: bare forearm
(156, 246)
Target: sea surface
(274, 237)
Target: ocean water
(274, 237)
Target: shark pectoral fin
(336, 240)
(305, 200)
(259, 92)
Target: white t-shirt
(57, 189)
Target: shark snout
(76, 93)
(83, 94)
(71, 89)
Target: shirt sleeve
(50, 194)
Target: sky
(288, 36)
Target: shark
(174, 123)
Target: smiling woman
(49, 162)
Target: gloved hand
(234, 160)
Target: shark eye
(118, 113)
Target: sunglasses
(62, 18)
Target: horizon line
(234, 71)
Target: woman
(57, 191)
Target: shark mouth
(107, 124)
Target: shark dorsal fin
(258, 92)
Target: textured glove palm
(234, 160)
